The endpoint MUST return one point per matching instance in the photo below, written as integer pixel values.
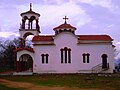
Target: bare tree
(8, 54)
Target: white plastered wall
(69, 40)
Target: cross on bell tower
(65, 18)
(30, 6)
(29, 25)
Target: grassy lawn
(80, 81)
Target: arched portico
(25, 63)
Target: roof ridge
(64, 25)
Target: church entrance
(104, 61)
(25, 63)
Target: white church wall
(38, 58)
(76, 66)
(96, 51)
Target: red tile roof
(28, 49)
(81, 37)
(95, 37)
(64, 26)
(43, 38)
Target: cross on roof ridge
(65, 18)
(30, 6)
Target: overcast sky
(88, 16)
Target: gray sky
(88, 16)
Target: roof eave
(29, 12)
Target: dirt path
(30, 86)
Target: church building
(64, 51)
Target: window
(84, 55)
(44, 58)
(104, 61)
(66, 55)
(86, 58)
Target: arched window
(65, 55)
(44, 58)
(104, 61)
(27, 24)
(32, 22)
(86, 58)
(84, 55)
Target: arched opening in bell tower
(25, 22)
(28, 42)
(28, 39)
(32, 22)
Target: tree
(8, 54)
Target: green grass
(3, 87)
(80, 81)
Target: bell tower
(29, 25)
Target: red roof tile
(28, 49)
(81, 37)
(64, 26)
(43, 38)
(95, 37)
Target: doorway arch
(25, 63)
(104, 61)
